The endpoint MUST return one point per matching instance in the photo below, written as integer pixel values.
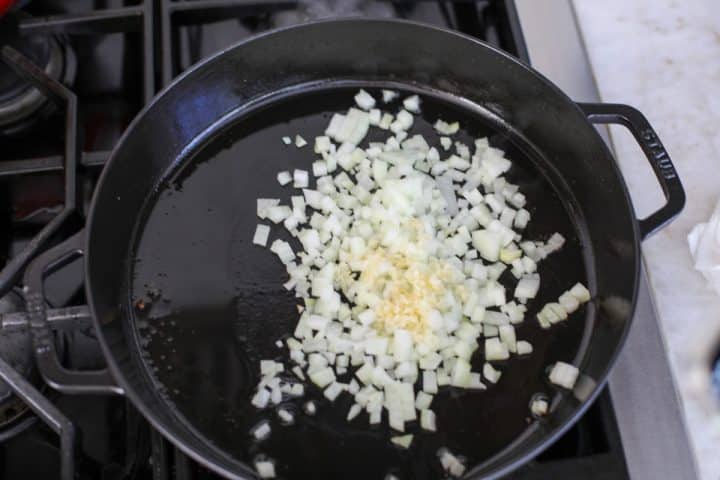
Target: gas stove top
(95, 69)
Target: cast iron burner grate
(48, 169)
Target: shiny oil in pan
(214, 304)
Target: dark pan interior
(378, 50)
(215, 305)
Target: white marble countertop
(663, 57)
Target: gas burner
(21, 104)
(16, 349)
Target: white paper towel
(704, 241)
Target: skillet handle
(57, 376)
(633, 120)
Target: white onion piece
(333, 391)
(263, 204)
(375, 116)
(476, 382)
(423, 401)
(322, 377)
(495, 350)
(284, 177)
(403, 441)
(297, 390)
(451, 463)
(412, 104)
(322, 144)
(283, 250)
(580, 292)
(310, 408)
(539, 407)
(527, 287)
(508, 337)
(262, 232)
(488, 244)
(261, 398)
(564, 375)
(285, 416)
(445, 186)
(287, 140)
(319, 168)
(301, 179)
(430, 382)
(490, 373)
(389, 95)
(569, 302)
(261, 431)
(461, 374)
(445, 128)
(524, 347)
(522, 217)
(428, 420)
(265, 468)
(403, 121)
(354, 412)
(555, 242)
(276, 395)
(364, 100)
(300, 141)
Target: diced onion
(265, 468)
(286, 417)
(284, 177)
(310, 408)
(451, 463)
(539, 407)
(430, 382)
(564, 375)
(507, 336)
(389, 95)
(403, 441)
(262, 232)
(494, 350)
(401, 269)
(364, 100)
(580, 292)
(301, 179)
(261, 431)
(423, 401)
(428, 420)
(412, 104)
(323, 377)
(490, 374)
(524, 347)
(527, 287)
(445, 128)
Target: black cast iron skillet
(185, 306)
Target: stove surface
(97, 51)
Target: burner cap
(19, 100)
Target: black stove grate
(112, 84)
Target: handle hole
(645, 191)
